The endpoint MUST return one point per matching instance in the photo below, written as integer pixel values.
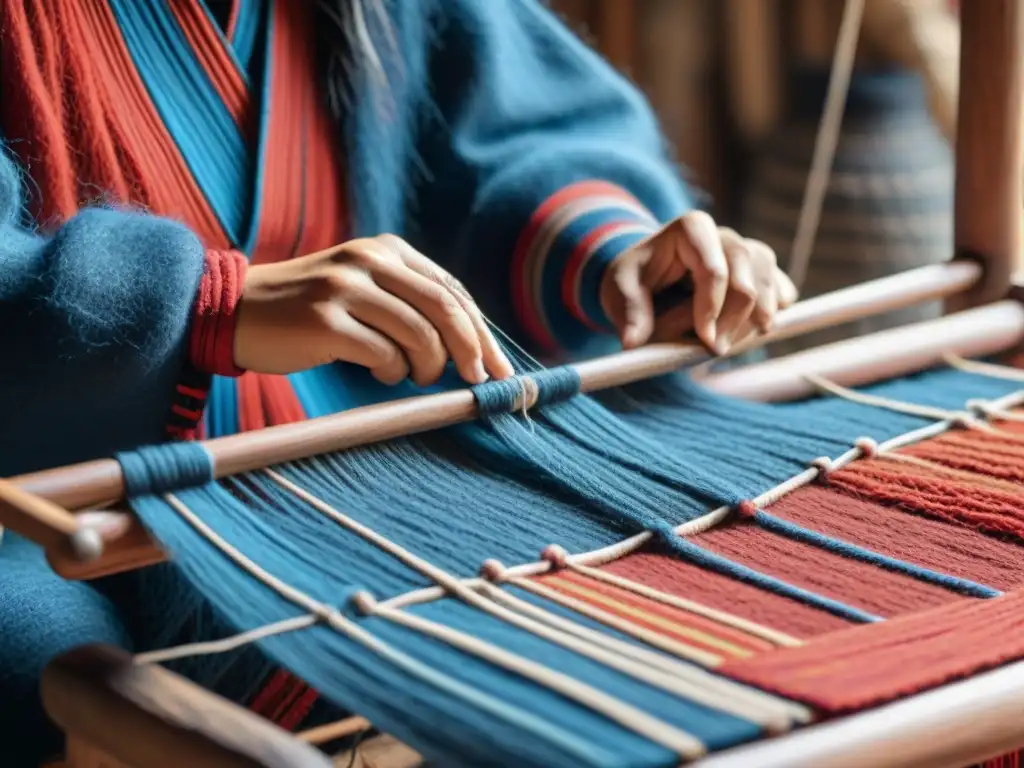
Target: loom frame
(96, 693)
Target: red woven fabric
(936, 494)
(668, 574)
(947, 547)
(986, 454)
(871, 664)
(864, 586)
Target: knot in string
(160, 469)
(556, 555)
(867, 446)
(493, 571)
(824, 465)
(525, 391)
(983, 409)
(746, 509)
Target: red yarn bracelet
(212, 341)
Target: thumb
(635, 316)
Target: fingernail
(724, 344)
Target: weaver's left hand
(737, 285)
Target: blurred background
(740, 87)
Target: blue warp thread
(584, 474)
(854, 552)
(164, 468)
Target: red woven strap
(211, 345)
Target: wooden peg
(48, 524)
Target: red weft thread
(986, 454)
(931, 493)
(666, 573)
(872, 664)
(946, 547)
(212, 338)
(680, 622)
(865, 586)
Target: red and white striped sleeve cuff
(561, 257)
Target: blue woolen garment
(93, 320)
(494, 107)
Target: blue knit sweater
(483, 151)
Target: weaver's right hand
(375, 302)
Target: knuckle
(425, 336)
(446, 305)
(386, 355)
(747, 294)
(762, 252)
(700, 219)
(358, 253)
(392, 243)
(334, 283)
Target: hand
(737, 285)
(375, 302)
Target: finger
(766, 273)
(786, 291)
(443, 311)
(741, 298)
(495, 362)
(352, 342)
(702, 254)
(394, 318)
(634, 310)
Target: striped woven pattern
(636, 579)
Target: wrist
(215, 315)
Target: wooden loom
(119, 714)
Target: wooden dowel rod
(49, 523)
(46, 523)
(990, 131)
(879, 356)
(96, 483)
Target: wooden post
(989, 171)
